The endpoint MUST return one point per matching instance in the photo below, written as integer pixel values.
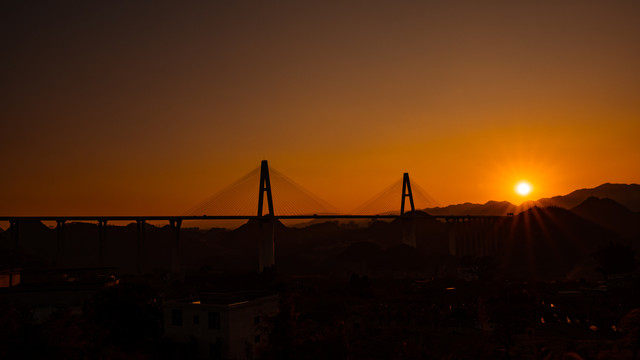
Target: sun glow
(523, 188)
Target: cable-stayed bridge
(278, 198)
(292, 200)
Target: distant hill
(611, 215)
(499, 208)
(625, 194)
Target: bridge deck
(231, 217)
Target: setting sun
(523, 188)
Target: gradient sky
(149, 107)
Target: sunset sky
(149, 107)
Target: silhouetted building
(43, 291)
(222, 326)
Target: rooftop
(224, 299)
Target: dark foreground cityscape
(549, 282)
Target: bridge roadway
(233, 217)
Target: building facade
(222, 326)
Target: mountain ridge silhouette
(611, 215)
(627, 195)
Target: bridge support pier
(140, 242)
(267, 245)
(409, 230)
(102, 239)
(59, 240)
(175, 249)
(14, 227)
(453, 230)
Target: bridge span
(266, 219)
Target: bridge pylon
(265, 187)
(406, 193)
(408, 225)
(267, 222)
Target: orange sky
(118, 108)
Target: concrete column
(175, 250)
(59, 240)
(484, 238)
(14, 226)
(409, 230)
(495, 241)
(102, 238)
(452, 225)
(267, 259)
(141, 235)
(463, 250)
